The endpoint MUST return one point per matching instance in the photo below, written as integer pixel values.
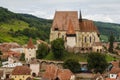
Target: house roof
(70, 28)
(110, 79)
(30, 44)
(21, 70)
(64, 74)
(52, 72)
(115, 70)
(116, 64)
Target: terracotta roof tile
(30, 44)
(61, 19)
(21, 70)
(115, 70)
(64, 74)
(70, 28)
(110, 79)
(52, 72)
(115, 64)
(88, 26)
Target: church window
(62, 36)
(90, 39)
(85, 39)
(56, 29)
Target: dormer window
(56, 29)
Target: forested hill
(19, 28)
(15, 27)
(106, 29)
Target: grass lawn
(80, 57)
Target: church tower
(71, 35)
(30, 51)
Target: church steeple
(80, 16)
(30, 44)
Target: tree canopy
(58, 48)
(97, 62)
(72, 64)
(111, 40)
(42, 51)
(22, 57)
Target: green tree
(58, 48)
(111, 40)
(22, 57)
(72, 64)
(97, 62)
(42, 51)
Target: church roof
(88, 26)
(61, 19)
(70, 28)
(30, 44)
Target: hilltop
(16, 27)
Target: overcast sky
(98, 10)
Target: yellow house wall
(18, 77)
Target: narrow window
(90, 39)
(85, 39)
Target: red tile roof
(115, 64)
(30, 44)
(6, 46)
(64, 74)
(115, 70)
(21, 70)
(70, 28)
(110, 79)
(88, 26)
(61, 19)
(52, 72)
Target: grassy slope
(15, 25)
(79, 57)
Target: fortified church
(80, 35)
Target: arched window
(90, 39)
(85, 39)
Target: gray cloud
(102, 10)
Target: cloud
(102, 10)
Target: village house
(79, 35)
(35, 67)
(30, 51)
(54, 73)
(21, 73)
(114, 73)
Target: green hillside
(106, 29)
(20, 27)
(15, 27)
